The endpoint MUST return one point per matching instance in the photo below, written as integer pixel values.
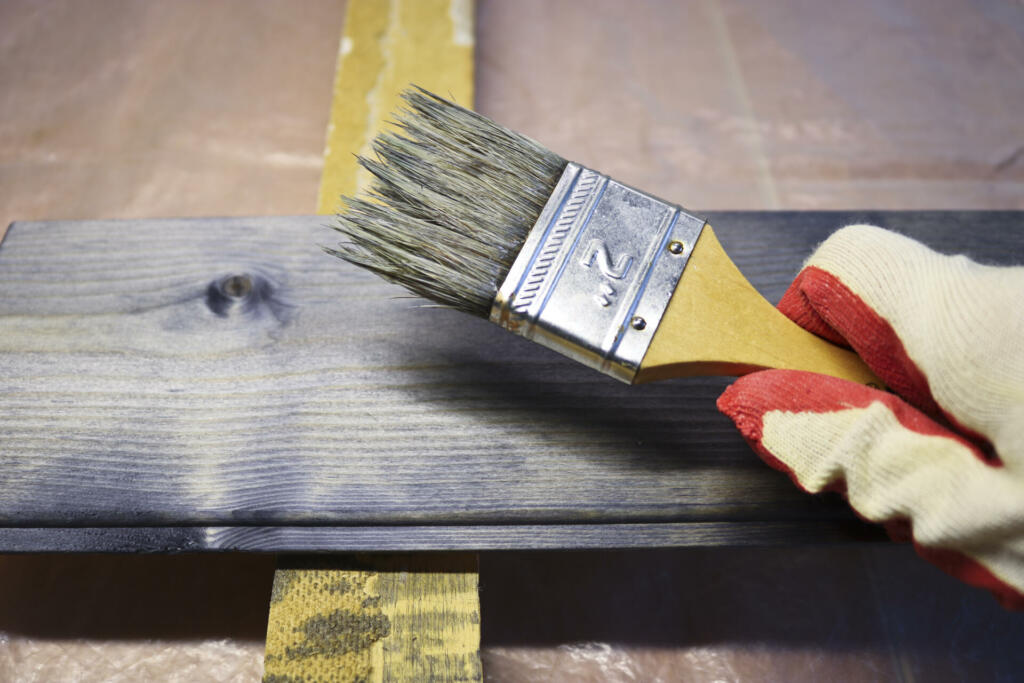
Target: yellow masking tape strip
(381, 618)
(387, 45)
(374, 618)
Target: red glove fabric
(941, 460)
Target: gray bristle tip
(453, 196)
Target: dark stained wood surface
(306, 539)
(142, 388)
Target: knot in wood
(244, 294)
(236, 286)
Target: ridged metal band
(597, 271)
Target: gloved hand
(943, 459)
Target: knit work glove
(942, 460)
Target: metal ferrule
(596, 272)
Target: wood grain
(318, 539)
(136, 391)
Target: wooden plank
(315, 539)
(135, 391)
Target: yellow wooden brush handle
(717, 324)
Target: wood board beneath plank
(326, 411)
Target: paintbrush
(479, 218)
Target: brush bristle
(453, 196)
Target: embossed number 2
(598, 250)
